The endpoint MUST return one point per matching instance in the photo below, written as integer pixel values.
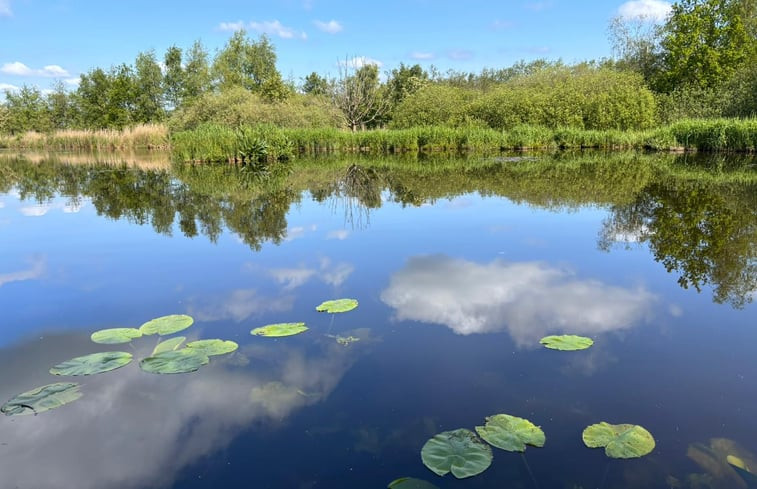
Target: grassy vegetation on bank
(143, 136)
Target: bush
(433, 105)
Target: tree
(27, 110)
(197, 79)
(315, 84)
(60, 106)
(148, 86)
(704, 42)
(359, 95)
(173, 79)
(249, 64)
(404, 81)
(636, 45)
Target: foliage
(26, 111)
(460, 452)
(279, 330)
(115, 336)
(94, 363)
(433, 105)
(166, 325)
(566, 342)
(213, 347)
(337, 305)
(174, 362)
(315, 84)
(148, 87)
(359, 95)
(620, 441)
(42, 399)
(511, 433)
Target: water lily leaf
(94, 363)
(460, 452)
(42, 399)
(567, 342)
(166, 325)
(170, 344)
(174, 362)
(511, 433)
(114, 336)
(410, 483)
(338, 305)
(213, 347)
(280, 329)
(620, 441)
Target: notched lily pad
(338, 305)
(460, 452)
(94, 363)
(213, 347)
(42, 399)
(174, 362)
(170, 344)
(511, 433)
(620, 440)
(410, 483)
(279, 330)
(115, 336)
(566, 342)
(166, 325)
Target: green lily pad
(511, 433)
(166, 325)
(91, 364)
(460, 452)
(174, 362)
(567, 342)
(410, 483)
(170, 344)
(338, 305)
(115, 336)
(42, 399)
(620, 441)
(280, 329)
(213, 347)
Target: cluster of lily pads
(166, 358)
(289, 329)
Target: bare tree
(358, 93)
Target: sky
(44, 41)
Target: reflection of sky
(528, 299)
(35, 270)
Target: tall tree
(315, 84)
(197, 78)
(60, 107)
(404, 81)
(249, 64)
(27, 110)
(359, 95)
(148, 86)
(173, 79)
(636, 45)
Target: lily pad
(170, 344)
(115, 336)
(91, 364)
(567, 342)
(338, 305)
(174, 362)
(280, 329)
(166, 325)
(213, 347)
(620, 440)
(410, 483)
(42, 399)
(511, 433)
(460, 452)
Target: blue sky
(46, 40)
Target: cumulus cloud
(36, 269)
(5, 8)
(276, 28)
(18, 68)
(359, 62)
(654, 10)
(340, 234)
(39, 210)
(330, 273)
(332, 26)
(8, 86)
(335, 274)
(291, 278)
(231, 26)
(422, 55)
(237, 305)
(529, 299)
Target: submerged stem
(528, 467)
(331, 324)
(604, 476)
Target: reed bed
(145, 136)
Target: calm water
(459, 273)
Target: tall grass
(145, 136)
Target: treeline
(700, 63)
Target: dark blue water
(454, 294)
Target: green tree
(60, 107)
(197, 78)
(27, 110)
(636, 45)
(92, 98)
(404, 81)
(249, 64)
(173, 79)
(148, 89)
(315, 84)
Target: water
(459, 273)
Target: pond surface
(459, 267)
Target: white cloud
(38, 210)
(529, 299)
(231, 26)
(654, 10)
(276, 28)
(337, 274)
(422, 55)
(35, 271)
(297, 232)
(18, 68)
(8, 86)
(340, 234)
(5, 8)
(332, 26)
(291, 278)
(237, 305)
(72, 81)
(360, 61)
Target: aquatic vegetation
(459, 451)
(566, 342)
(280, 329)
(169, 345)
(115, 336)
(410, 483)
(213, 347)
(166, 325)
(91, 364)
(338, 305)
(620, 441)
(42, 399)
(343, 340)
(726, 463)
(174, 362)
(744, 471)
(511, 433)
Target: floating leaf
(410, 483)
(213, 347)
(42, 399)
(511, 433)
(174, 362)
(620, 441)
(280, 329)
(94, 363)
(567, 342)
(114, 336)
(459, 451)
(166, 325)
(338, 305)
(170, 344)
